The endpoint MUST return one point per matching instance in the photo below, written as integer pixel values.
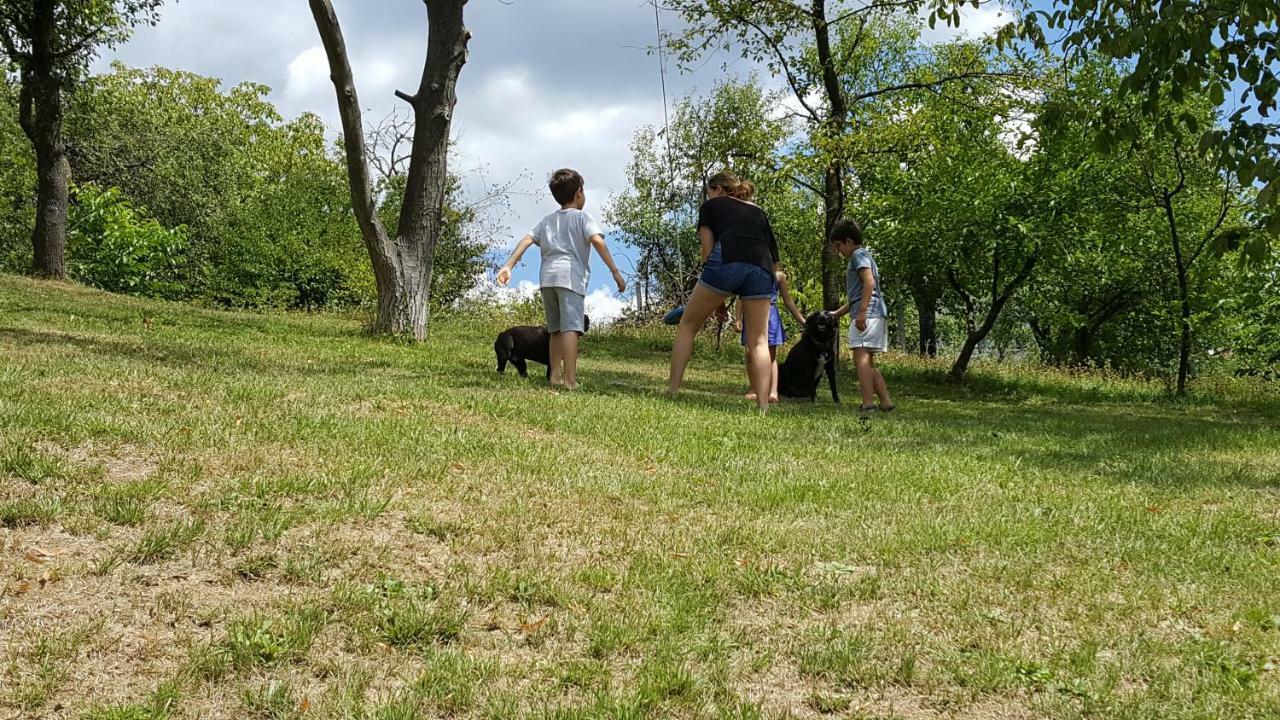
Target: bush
(114, 246)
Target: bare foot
(773, 398)
(751, 396)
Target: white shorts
(875, 338)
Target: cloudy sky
(549, 83)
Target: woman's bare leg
(699, 308)
(755, 315)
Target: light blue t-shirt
(861, 258)
(563, 237)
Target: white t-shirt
(563, 237)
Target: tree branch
(26, 107)
(362, 199)
(930, 85)
(783, 63)
(1213, 231)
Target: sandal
(887, 408)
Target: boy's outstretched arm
(504, 275)
(597, 242)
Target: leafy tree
(1181, 49)
(838, 58)
(734, 127)
(953, 209)
(17, 183)
(265, 201)
(51, 42)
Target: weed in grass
(28, 512)
(258, 640)
(448, 686)
(126, 504)
(273, 701)
(306, 565)
(207, 663)
(256, 566)
(839, 658)
(31, 465)
(413, 623)
(256, 521)
(664, 681)
(163, 542)
(583, 674)
(36, 674)
(826, 704)
(433, 527)
(599, 579)
(161, 705)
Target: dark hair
(564, 185)
(846, 229)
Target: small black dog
(517, 344)
(800, 373)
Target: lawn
(217, 515)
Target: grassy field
(218, 515)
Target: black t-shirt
(742, 229)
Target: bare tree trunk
(927, 309)
(403, 265)
(833, 206)
(833, 179)
(977, 334)
(40, 114)
(1184, 301)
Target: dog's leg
(520, 365)
(831, 378)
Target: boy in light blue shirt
(869, 331)
(565, 238)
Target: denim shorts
(746, 280)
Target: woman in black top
(741, 255)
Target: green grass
(276, 516)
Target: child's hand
(504, 275)
(801, 319)
(737, 325)
(622, 282)
(861, 322)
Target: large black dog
(517, 344)
(800, 373)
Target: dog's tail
(502, 347)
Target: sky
(548, 84)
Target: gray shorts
(565, 309)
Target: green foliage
(17, 182)
(1221, 50)
(264, 202)
(78, 28)
(113, 245)
(735, 127)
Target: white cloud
(604, 306)
(974, 22)
(307, 74)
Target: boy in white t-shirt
(565, 238)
